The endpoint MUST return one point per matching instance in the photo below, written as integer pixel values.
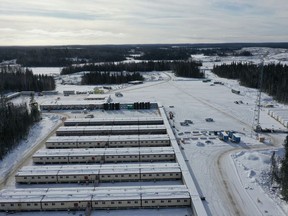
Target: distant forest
(187, 69)
(63, 56)
(24, 80)
(144, 66)
(97, 78)
(275, 77)
(15, 121)
(180, 68)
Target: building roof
(103, 151)
(94, 193)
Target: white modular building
(114, 121)
(113, 141)
(39, 199)
(110, 130)
(99, 173)
(104, 155)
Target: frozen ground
(36, 135)
(232, 177)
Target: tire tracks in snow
(223, 175)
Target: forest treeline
(180, 68)
(15, 122)
(274, 82)
(120, 67)
(116, 73)
(187, 69)
(98, 78)
(63, 56)
(24, 80)
(279, 171)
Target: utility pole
(256, 127)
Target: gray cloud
(25, 22)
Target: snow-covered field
(232, 177)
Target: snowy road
(212, 166)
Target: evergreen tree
(275, 77)
(284, 172)
(15, 121)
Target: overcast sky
(64, 22)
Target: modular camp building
(94, 198)
(108, 141)
(72, 105)
(104, 155)
(98, 173)
(135, 142)
(114, 121)
(110, 130)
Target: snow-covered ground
(36, 135)
(232, 177)
(46, 70)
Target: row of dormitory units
(72, 106)
(281, 115)
(99, 173)
(108, 141)
(79, 198)
(114, 121)
(107, 155)
(110, 130)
